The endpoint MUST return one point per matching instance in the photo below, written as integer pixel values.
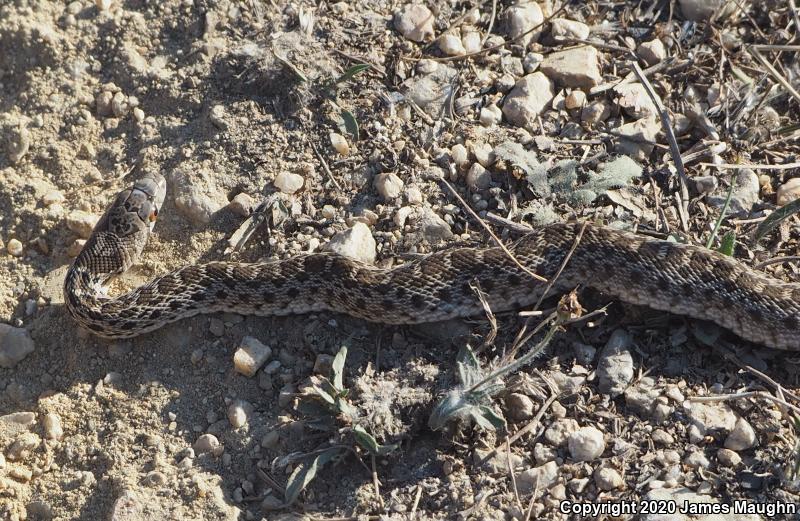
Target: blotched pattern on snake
(682, 279)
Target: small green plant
(472, 400)
(326, 404)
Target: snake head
(136, 209)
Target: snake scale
(678, 278)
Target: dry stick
(630, 77)
(324, 165)
(491, 23)
(756, 51)
(675, 152)
(795, 17)
(489, 230)
(416, 501)
(513, 477)
(786, 166)
(749, 394)
(508, 223)
(375, 481)
(777, 260)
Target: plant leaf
(776, 217)
(351, 72)
(337, 369)
(487, 418)
(369, 442)
(728, 243)
(469, 368)
(350, 124)
(305, 473)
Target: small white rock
(52, 426)
(460, 156)
(250, 356)
(340, 144)
(652, 52)
(742, 437)
(103, 5)
(562, 30)
(608, 479)
(388, 185)
(239, 412)
(521, 18)
(288, 183)
(208, 443)
(527, 99)
(14, 248)
(478, 178)
(356, 243)
(586, 444)
(451, 45)
(242, 204)
(15, 344)
(519, 406)
(471, 40)
(415, 22)
(81, 223)
(728, 458)
(559, 431)
(575, 100)
(490, 115)
(52, 197)
(788, 191)
(23, 445)
(538, 478)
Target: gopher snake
(679, 278)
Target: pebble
(15, 344)
(615, 364)
(138, 115)
(193, 203)
(388, 185)
(460, 156)
(728, 457)
(82, 223)
(286, 396)
(559, 431)
(414, 195)
(490, 115)
(634, 139)
(242, 204)
(538, 478)
(788, 191)
(595, 112)
(23, 445)
(52, 197)
(608, 479)
(703, 10)
(239, 412)
(662, 437)
(483, 154)
(103, 103)
(415, 23)
(652, 52)
(434, 228)
(705, 184)
(542, 453)
(584, 353)
(527, 99)
(742, 437)
(401, 215)
(586, 444)
(39, 510)
(75, 247)
(14, 248)
(562, 30)
(575, 100)
(633, 99)
(531, 62)
(216, 327)
(340, 144)
(478, 178)
(250, 356)
(450, 44)
(52, 426)
(471, 40)
(271, 439)
(356, 243)
(217, 117)
(697, 460)
(288, 183)
(18, 143)
(578, 67)
(745, 192)
(323, 364)
(521, 18)
(710, 417)
(208, 443)
(520, 407)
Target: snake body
(678, 278)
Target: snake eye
(153, 215)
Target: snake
(678, 278)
